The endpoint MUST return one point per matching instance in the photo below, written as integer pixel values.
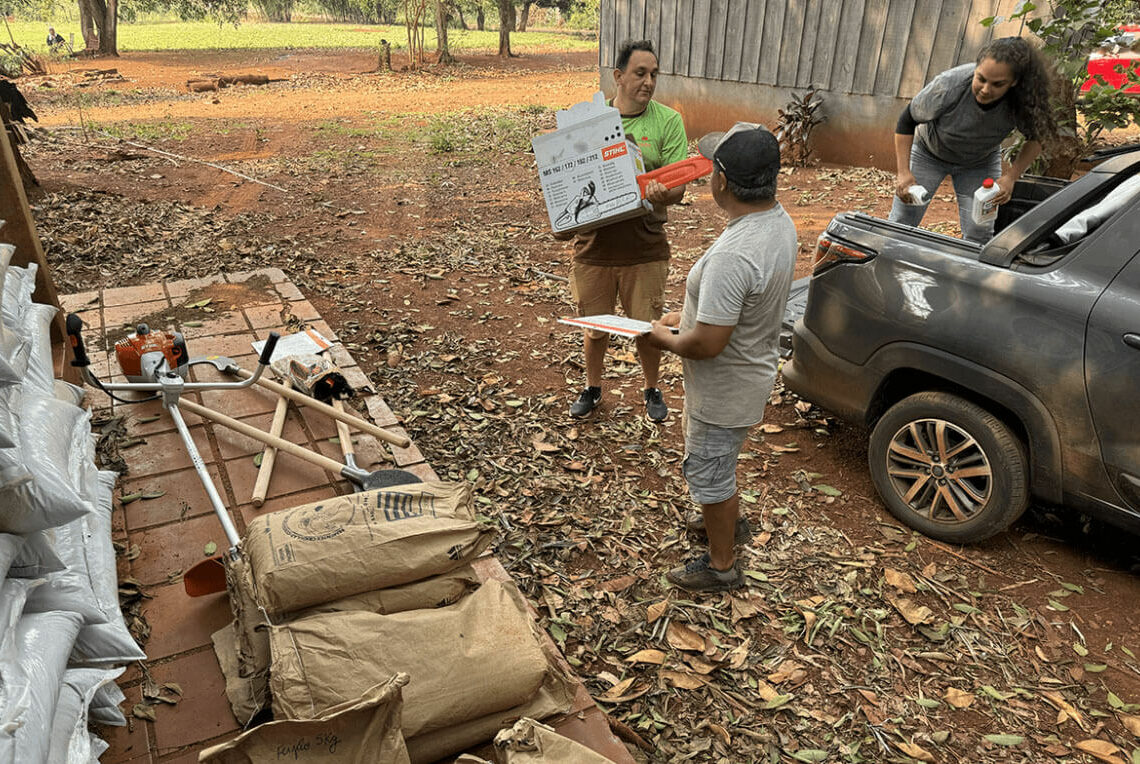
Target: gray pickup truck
(989, 375)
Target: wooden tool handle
(343, 434)
(280, 444)
(269, 455)
(324, 408)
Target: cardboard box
(589, 169)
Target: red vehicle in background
(1126, 54)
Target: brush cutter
(168, 383)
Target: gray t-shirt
(953, 125)
(742, 280)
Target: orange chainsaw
(145, 355)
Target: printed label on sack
(316, 523)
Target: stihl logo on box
(615, 151)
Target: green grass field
(205, 35)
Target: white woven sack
(13, 595)
(105, 706)
(31, 685)
(110, 642)
(19, 285)
(53, 444)
(70, 742)
(34, 557)
(40, 374)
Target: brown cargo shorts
(596, 290)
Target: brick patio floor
(172, 531)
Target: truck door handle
(1132, 340)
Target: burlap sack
(247, 695)
(346, 545)
(437, 591)
(364, 731)
(253, 642)
(465, 661)
(530, 742)
(556, 696)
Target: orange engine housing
(139, 354)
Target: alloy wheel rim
(939, 471)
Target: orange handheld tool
(676, 174)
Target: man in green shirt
(629, 259)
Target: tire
(919, 454)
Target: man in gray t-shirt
(728, 340)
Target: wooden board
(919, 47)
(847, 43)
(716, 52)
(607, 31)
(812, 32)
(951, 27)
(682, 54)
(892, 52)
(870, 43)
(753, 35)
(770, 46)
(790, 43)
(734, 40)
(825, 44)
(699, 41)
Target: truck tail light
(829, 252)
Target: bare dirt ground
(406, 205)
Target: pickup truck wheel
(948, 468)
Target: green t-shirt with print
(660, 134)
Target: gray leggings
(929, 171)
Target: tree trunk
(1065, 151)
(109, 33)
(441, 14)
(462, 21)
(524, 17)
(480, 19)
(87, 26)
(505, 11)
(514, 16)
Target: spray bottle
(984, 208)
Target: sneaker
(697, 575)
(695, 523)
(587, 402)
(655, 407)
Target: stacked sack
(62, 635)
(336, 597)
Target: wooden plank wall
(869, 47)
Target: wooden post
(20, 230)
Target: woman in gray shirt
(955, 126)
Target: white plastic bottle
(985, 208)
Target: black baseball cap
(747, 154)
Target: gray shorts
(710, 460)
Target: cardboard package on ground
(464, 661)
(530, 742)
(346, 545)
(555, 696)
(243, 646)
(362, 731)
(588, 169)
